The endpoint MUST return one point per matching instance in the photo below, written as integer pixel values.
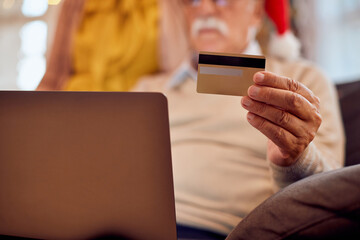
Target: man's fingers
(285, 111)
(279, 117)
(275, 81)
(286, 100)
(281, 137)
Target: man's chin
(210, 43)
(210, 47)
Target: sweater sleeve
(326, 151)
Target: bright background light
(32, 67)
(34, 8)
(54, 2)
(31, 71)
(33, 38)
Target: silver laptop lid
(79, 165)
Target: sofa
(323, 206)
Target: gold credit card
(228, 74)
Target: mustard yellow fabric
(116, 43)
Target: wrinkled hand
(286, 112)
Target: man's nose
(207, 7)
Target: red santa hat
(283, 43)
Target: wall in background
(330, 33)
(26, 28)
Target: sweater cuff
(308, 163)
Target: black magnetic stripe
(232, 61)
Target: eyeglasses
(197, 3)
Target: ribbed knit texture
(219, 159)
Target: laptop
(85, 165)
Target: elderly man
(231, 153)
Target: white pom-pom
(285, 46)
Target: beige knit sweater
(219, 159)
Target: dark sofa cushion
(323, 206)
(349, 96)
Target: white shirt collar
(186, 71)
(253, 48)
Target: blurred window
(24, 41)
(31, 67)
(330, 33)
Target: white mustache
(209, 23)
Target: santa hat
(283, 43)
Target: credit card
(227, 74)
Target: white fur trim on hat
(285, 46)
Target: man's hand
(286, 112)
